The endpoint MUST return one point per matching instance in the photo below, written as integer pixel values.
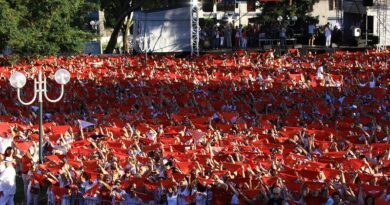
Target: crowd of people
(325, 34)
(242, 128)
(225, 35)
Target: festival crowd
(242, 128)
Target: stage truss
(340, 14)
(195, 29)
(382, 27)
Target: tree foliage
(299, 8)
(117, 11)
(44, 27)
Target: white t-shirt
(182, 196)
(201, 198)
(172, 200)
(372, 84)
(86, 185)
(5, 143)
(7, 181)
(151, 135)
(320, 71)
(328, 32)
(2, 167)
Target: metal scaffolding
(340, 15)
(339, 12)
(382, 27)
(195, 29)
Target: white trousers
(7, 199)
(328, 41)
(221, 41)
(244, 42)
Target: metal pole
(40, 132)
(40, 101)
(239, 13)
(366, 28)
(192, 27)
(146, 50)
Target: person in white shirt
(328, 35)
(201, 195)
(172, 196)
(85, 186)
(183, 192)
(320, 73)
(5, 142)
(7, 183)
(152, 134)
(131, 197)
(372, 81)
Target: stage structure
(161, 31)
(195, 28)
(340, 12)
(371, 16)
(382, 23)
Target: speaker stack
(368, 2)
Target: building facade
(326, 11)
(235, 11)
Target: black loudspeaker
(375, 40)
(368, 2)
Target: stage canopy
(162, 30)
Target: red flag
(191, 198)
(58, 191)
(91, 191)
(144, 197)
(23, 146)
(197, 135)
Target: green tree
(299, 8)
(118, 16)
(44, 27)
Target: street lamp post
(95, 26)
(290, 21)
(18, 81)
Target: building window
(251, 5)
(332, 4)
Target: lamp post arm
(33, 99)
(47, 97)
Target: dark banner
(225, 5)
